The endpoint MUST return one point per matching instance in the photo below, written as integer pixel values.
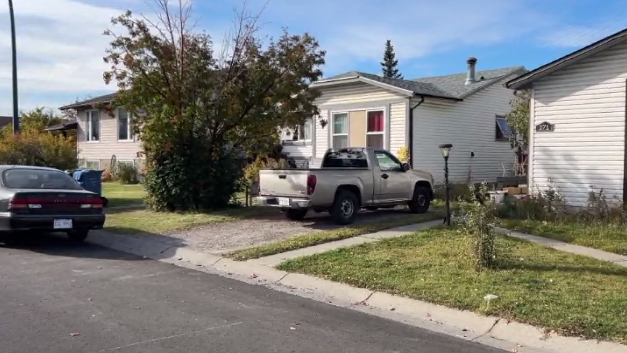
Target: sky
(61, 43)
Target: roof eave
(524, 81)
(86, 105)
(357, 79)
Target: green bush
(40, 149)
(126, 174)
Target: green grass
(144, 221)
(123, 195)
(610, 238)
(571, 294)
(307, 240)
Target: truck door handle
(282, 176)
(384, 176)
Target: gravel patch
(223, 237)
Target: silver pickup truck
(348, 179)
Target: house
(103, 135)
(5, 120)
(464, 109)
(577, 121)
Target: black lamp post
(446, 150)
(16, 121)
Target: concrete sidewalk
(491, 331)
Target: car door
(394, 183)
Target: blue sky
(60, 42)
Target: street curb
(491, 331)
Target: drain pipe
(411, 128)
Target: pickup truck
(348, 180)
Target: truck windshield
(345, 159)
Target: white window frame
(97, 161)
(383, 132)
(129, 130)
(88, 126)
(301, 128)
(370, 109)
(348, 127)
(126, 161)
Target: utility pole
(16, 121)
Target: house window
(374, 131)
(92, 131)
(503, 131)
(125, 132)
(92, 164)
(340, 130)
(303, 132)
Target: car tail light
(92, 202)
(18, 204)
(311, 184)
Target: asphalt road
(60, 297)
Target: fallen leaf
(428, 315)
(74, 334)
(292, 328)
(392, 309)
(253, 275)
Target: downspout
(411, 128)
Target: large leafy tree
(195, 107)
(518, 120)
(37, 119)
(389, 63)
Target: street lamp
(16, 121)
(446, 150)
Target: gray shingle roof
(107, 98)
(449, 86)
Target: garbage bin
(90, 180)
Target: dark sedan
(47, 199)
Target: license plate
(62, 224)
(284, 201)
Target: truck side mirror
(405, 166)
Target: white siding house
(421, 114)
(581, 98)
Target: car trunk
(55, 202)
(284, 183)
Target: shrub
(106, 175)
(403, 154)
(127, 174)
(251, 172)
(477, 221)
(41, 149)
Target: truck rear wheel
(296, 214)
(421, 200)
(345, 207)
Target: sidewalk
(507, 335)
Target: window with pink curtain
(375, 121)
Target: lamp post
(446, 150)
(16, 121)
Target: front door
(395, 182)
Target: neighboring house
(577, 123)
(105, 135)
(465, 109)
(5, 120)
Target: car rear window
(26, 178)
(345, 159)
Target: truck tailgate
(288, 182)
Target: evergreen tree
(389, 62)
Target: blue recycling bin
(90, 180)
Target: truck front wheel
(420, 201)
(345, 207)
(295, 214)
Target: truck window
(345, 159)
(387, 162)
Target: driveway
(58, 297)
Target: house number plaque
(545, 126)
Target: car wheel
(345, 207)
(421, 201)
(78, 235)
(296, 214)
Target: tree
(195, 110)
(389, 62)
(37, 119)
(518, 120)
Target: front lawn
(316, 238)
(123, 195)
(612, 238)
(571, 294)
(144, 221)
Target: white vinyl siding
(108, 145)
(470, 126)
(398, 127)
(357, 93)
(586, 103)
(322, 134)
